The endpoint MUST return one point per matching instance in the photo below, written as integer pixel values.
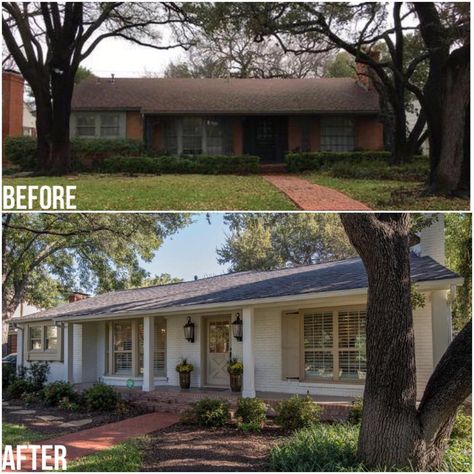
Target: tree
(48, 42)
(269, 241)
(446, 93)
(45, 256)
(458, 230)
(82, 73)
(394, 432)
(341, 66)
(161, 279)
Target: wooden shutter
(290, 338)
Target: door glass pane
(219, 337)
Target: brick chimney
(432, 240)
(365, 74)
(76, 296)
(12, 104)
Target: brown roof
(222, 96)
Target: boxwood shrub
(313, 161)
(202, 164)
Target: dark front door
(266, 137)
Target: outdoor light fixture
(189, 330)
(237, 327)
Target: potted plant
(184, 368)
(235, 369)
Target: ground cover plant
(167, 192)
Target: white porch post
(248, 353)
(148, 352)
(68, 352)
(20, 344)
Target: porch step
(273, 168)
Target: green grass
(124, 457)
(377, 193)
(332, 448)
(18, 434)
(167, 192)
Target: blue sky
(192, 251)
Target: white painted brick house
(303, 329)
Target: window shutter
(290, 337)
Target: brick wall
(134, 125)
(12, 104)
(369, 133)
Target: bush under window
(251, 411)
(297, 412)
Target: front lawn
(14, 434)
(377, 194)
(167, 192)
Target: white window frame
(43, 354)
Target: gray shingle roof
(221, 96)
(335, 276)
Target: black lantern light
(189, 330)
(237, 327)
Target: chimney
(76, 296)
(12, 104)
(364, 72)
(112, 78)
(432, 240)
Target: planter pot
(236, 382)
(184, 379)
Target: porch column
(248, 353)
(148, 351)
(68, 352)
(20, 345)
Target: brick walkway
(312, 197)
(85, 442)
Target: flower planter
(184, 379)
(236, 382)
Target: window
(192, 136)
(109, 125)
(85, 125)
(216, 137)
(334, 344)
(337, 134)
(159, 363)
(122, 346)
(51, 338)
(36, 338)
(219, 333)
(171, 136)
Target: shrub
(68, 405)
(240, 164)
(321, 447)
(251, 411)
(18, 388)
(38, 374)
(100, 397)
(355, 413)
(8, 375)
(211, 413)
(21, 152)
(462, 427)
(184, 367)
(297, 412)
(54, 392)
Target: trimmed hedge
(313, 161)
(87, 153)
(201, 164)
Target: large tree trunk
(393, 432)
(44, 120)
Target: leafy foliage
(53, 393)
(201, 164)
(38, 374)
(100, 397)
(341, 66)
(235, 367)
(297, 412)
(8, 375)
(269, 241)
(18, 387)
(355, 413)
(211, 413)
(251, 411)
(184, 367)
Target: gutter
(237, 304)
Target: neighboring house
(24, 309)
(29, 121)
(303, 328)
(263, 117)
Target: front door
(218, 351)
(266, 137)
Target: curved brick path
(312, 197)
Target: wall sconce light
(189, 330)
(237, 327)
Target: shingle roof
(335, 276)
(221, 96)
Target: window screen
(337, 134)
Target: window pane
(85, 125)
(318, 364)
(218, 139)
(318, 331)
(192, 136)
(123, 362)
(160, 347)
(51, 337)
(352, 365)
(109, 125)
(352, 330)
(337, 134)
(36, 338)
(171, 136)
(219, 333)
(123, 336)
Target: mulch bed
(190, 448)
(52, 427)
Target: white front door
(218, 351)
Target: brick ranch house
(263, 117)
(303, 329)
